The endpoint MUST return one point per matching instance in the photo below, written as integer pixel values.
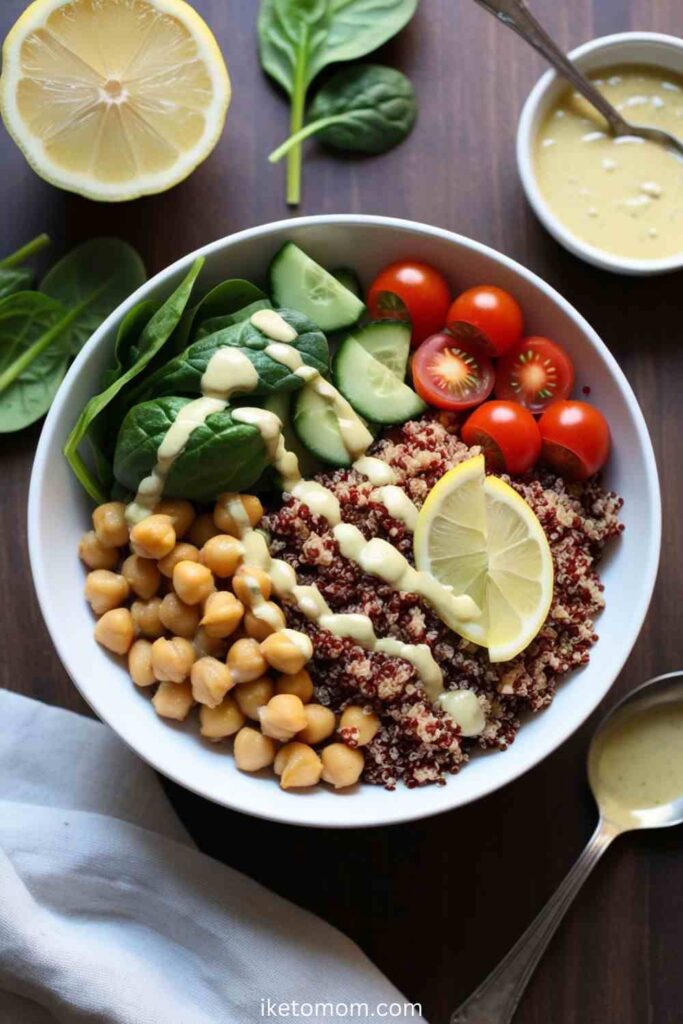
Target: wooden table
(437, 903)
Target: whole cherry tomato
(508, 435)
(576, 439)
(536, 373)
(451, 375)
(423, 292)
(489, 316)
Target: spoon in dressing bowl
(517, 16)
(635, 770)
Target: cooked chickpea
(253, 750)
(254, 695)
(205, 645)
(220, 722)
(202, 530)
(94, 554)
(154, 537)
(109, 521)
(364, 725)
(342, 766)
(105, 590)
(211, 679)
(298, 766)
(178, 617)
(147, 617)
(172, 659)
(192, 582)
(173, 700)
(245, 660)
(299, 683)
(320, 723)
(142, 575)
(181, 553)
(181, 514)
(282, 717)
(287, 651)
(226, 504)
(222, 614)
(222, 554)
(265, 620)
(248, 580)
(140, 663)
(115, 630)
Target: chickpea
(207, 646)
(298, 765)
(192, 582)
(147, 617)
(181, 553)
(178, 617)
(94, 554)
(154, 537)
(222, 614)
(247, 579)
(299, 683)
(220, 722)
(202, 530)
(287, 651)
(110, 524)
(105, 590)
(115, 630)
(140, 663)
(320, 723)
(211, 680)
(142, 575)
(173, 700)
(253, 750)
(245, 660)
(266, 619)
(181, 514)
(172, 659)
(282, 717)
(222, 554)
(363, 723)
(342, 766)
(254, 695)
(226, 504)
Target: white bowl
(623, 47)
(59, 513)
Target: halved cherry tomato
(488, 316)
(451, 375)
(576, 439)
(423, 291)
(508, 435)
(536, 373)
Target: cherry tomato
(576, 439)
(508, 435)
(451, 375)
(536, 373)
(489, 316)
(424, 295)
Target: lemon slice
(113, 99)
(477, 535)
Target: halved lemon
(478, 535)
(113, 99)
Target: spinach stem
(16, 368)
(304, 133)
(30, 249)
(297, 119)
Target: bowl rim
(525, 166)
(294, 814)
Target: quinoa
(418, 742)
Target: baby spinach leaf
(221, 454)
(228, 302)
(13, 276)
(219, 323)
(366, 108)
(126, 351)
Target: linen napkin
(109, 914)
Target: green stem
(16, 368)
(304, 133)
(296, 121)
(30, 249)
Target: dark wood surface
(437, 903)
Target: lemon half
(113, 99)
(478, 535)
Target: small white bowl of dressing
(616, 203)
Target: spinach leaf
(298, 38)
(228, 302)
(126, 349)
(221, 454)
(366, 108)
(13, 276)
(155, 334)
(219, 323)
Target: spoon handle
(517, 16)
(496, 999)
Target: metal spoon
(496, 1000)
(517, 16)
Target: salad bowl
(59, 512)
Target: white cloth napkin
(109, 914)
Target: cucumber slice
(298, 282)
(389, 342)
(281, 404)
(317, 428)
(372, 389)
(350, 279)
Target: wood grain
(437, 903)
